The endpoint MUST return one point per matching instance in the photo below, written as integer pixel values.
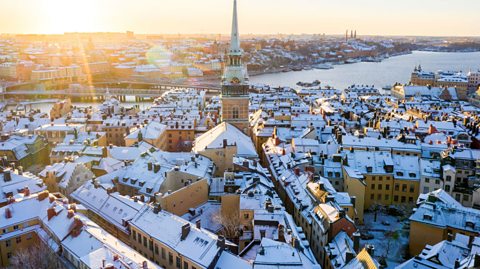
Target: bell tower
(235, 82)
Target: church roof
(215, 137)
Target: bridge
(99, 93)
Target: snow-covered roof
(215, 138)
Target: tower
(235, 82)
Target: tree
(231, 226)
(36, 256)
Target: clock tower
(235, 82)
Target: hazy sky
(376, 17)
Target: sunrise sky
(373, 17)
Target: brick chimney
(70, 213)
(41, 196)
(51, 213)
(26, 191)
(8, 213)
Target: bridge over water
(99, 92)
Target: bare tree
(231, 225)
(36, 256)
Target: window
(179, 262)
(397, 187)
(163, 254)
(134, 233)
(449, 178)
(403, 199)
(8, 243)
(387, 197)
(380, 186)
(410, 199)
(426, 189)
(185, 265)
(373, 186)
(404, 187)
(465, 197)
(18, 239)
(427, 180)
(372, 196)
(245, 216)
(235, 112)
(144, 241)
(379, 197)
(156, 249)
(447, 188)
(170, 258)
(387, 187)
(412, 188)
(15, 227)
(395, 198)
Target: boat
(324, 66)
(352, 61)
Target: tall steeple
(235, 38)
(235, 86)
(235, 72)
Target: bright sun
(70, 15)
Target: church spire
(235, 38)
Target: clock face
(235, 80)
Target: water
(385, 73)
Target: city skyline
(369, 17)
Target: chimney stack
(349, 256)
(51, 213)
(198, 224)
(356, 241)
(156, 168)
(221, 242)
(150, 166)
(8, 213)
(7, 175)
(26, 191)
(370, 249)
(185, 231)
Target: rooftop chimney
(221, 242)
(41, 196)
(70, 213)
(7, 175)
(198, 224)
(156, 168)
(185, 231)
(26, 191)
(51, 213)
(349, 256)
(8, 213)
(150, 166)
(370, 249)
(356, 241)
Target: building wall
(179, 140)
(356, 188)
(191, 196)
(10, 244)
(221, 157)
(422, 234)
